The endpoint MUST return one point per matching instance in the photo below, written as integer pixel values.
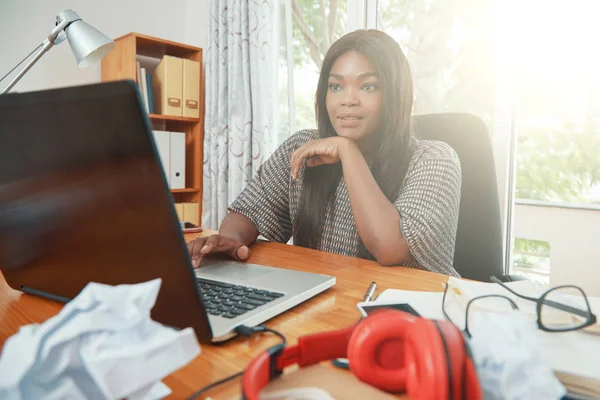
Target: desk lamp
(88, 44)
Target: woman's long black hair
(393, 138)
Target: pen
(370, 292)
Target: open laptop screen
(83, 198)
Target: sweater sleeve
(428, 204)
(266, 200)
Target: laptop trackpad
(233, 270)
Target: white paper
(574, 352)
(511, 362)
(102, 345)
(427, 304)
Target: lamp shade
(88, 44)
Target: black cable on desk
(212, 385)
(262, 328)
(244, 331)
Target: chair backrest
(478, 252)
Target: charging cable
(244, 331)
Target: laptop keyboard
(229, 300)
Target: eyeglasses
(500, 303)
(560, 309)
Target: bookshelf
(121, 64)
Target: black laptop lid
(83, 198)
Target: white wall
(24, 24)
(573, 235)
(196, 25)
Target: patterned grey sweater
(428, 204)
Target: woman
(360, 185)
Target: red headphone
(390, 349)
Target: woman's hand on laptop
(217, 244)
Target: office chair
(478, 252)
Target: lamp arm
(47, 45)
(60, 27)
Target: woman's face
(354, 97)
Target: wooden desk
(333, 309)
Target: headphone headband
(310, 349)
(391, 350)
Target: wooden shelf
(156, 47)
(187, 190)
(121, 63)
(160, 117)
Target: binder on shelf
(167, 83)
(179, 211)
(138, 74)
(191, 88)
(177, 160)
(191, 213)
(150, 93)
(144, 88)
(162, 139)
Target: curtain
(238, 118)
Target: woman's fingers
(194, 248)
(217, 244)
(310, 149)
(241, 253)
(211, 244)
(296, 161)
(316, 152)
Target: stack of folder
(173, 89)
(176, 87)
(171, 150)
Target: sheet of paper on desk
(427, 304)
(576, 354)
(102, 345)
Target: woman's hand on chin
(318, 152)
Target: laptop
(83, 198)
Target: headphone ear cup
(426, 368)
(376, 349)
(439, 365)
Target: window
(559, 104)
(531, 259)
(450, 47)
(305, 30)
(558, 132)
